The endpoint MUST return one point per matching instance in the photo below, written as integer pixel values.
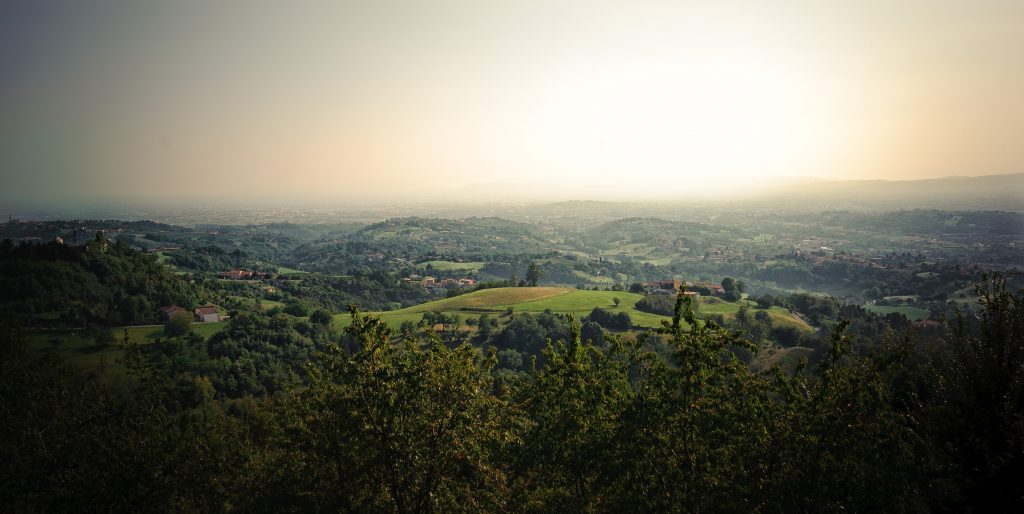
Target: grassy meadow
(452, 266)
(284, 270)
(80, 350)
(560, 300)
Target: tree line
(409, 424)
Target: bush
(297, 308)
(662, 304)
(610, 320)
(179, 325)
(321, 317)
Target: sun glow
(589, 99)
(717, 121)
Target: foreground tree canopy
(385, 423)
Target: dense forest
(761, 393)
(378, 422)
(102, 282)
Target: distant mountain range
(988, 192)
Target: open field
(452, 266)
(282, 270)
(561, 300)
(785, 358)
(592, 279)
(80, 350)
(912, 313)
(498, 298)
(265, 305)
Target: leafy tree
(321, 317)
(592, 332)
(533, 274)
(297, 308)
(842, 425)
(485, 327)
(98, 283)
(529, 333)
(179, 324)
(398, 427)
(657, 304)
(572, 403)
(407, 329)
(728, 284)
(610, 320)
(977, 415)
(684, 433)
(70, 443)
(511, 359)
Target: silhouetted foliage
(408, 424)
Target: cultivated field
(452, 266)
(560, 300)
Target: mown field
(560, 300)
(284, 270)
(592, 279)
(452, 266)
(80, 350)
(265, 305)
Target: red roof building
(235, 274)
(207, 313)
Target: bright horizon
(606, 100)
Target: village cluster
(439, 282)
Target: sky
(445, 100)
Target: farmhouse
(207, 313)
(165, 313)
(235, 274)
(711, 287)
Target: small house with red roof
(207, 313)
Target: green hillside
(452, 266)
(913, 313)
(557, 299)
(81, 351)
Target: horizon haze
(204, 102)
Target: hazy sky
(258, 100)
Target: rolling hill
(561, 300)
